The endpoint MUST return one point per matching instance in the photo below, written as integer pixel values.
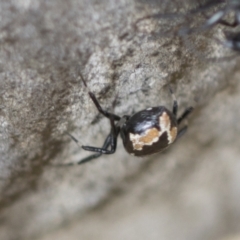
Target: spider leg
(112, 142)
(72, 137)
(96, 155)
(175, 103)
(215, 19)
(182, 131)
(228, 24)
(184, 115)
(236, 20)
(91, 157)
(98, 106)
(232, 40)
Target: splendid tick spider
(146, 132)
(231, 5)
(232, 39)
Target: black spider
(232, 39)
(146, 132)
(232, 5)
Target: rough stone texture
(191, 191)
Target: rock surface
(191, 191)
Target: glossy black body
(142, 121)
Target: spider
(232, 5)
(232, 40)
(146, 132)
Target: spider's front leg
(96, 155)
(109, 141)
(112, 141)
(98, 106)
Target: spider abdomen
(149, 131)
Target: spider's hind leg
(183, 130)
(185, 114)
(175, 103)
